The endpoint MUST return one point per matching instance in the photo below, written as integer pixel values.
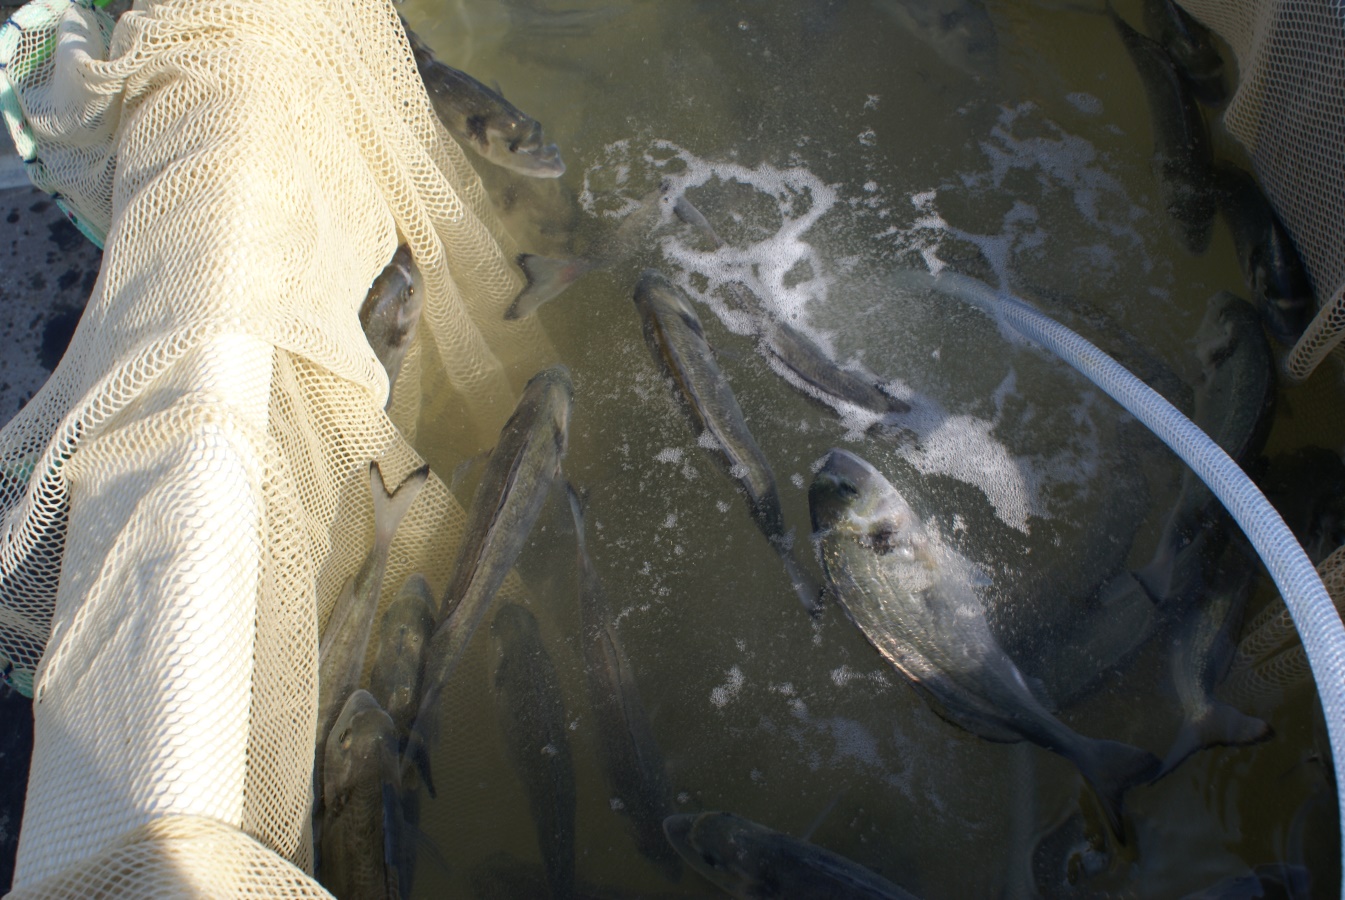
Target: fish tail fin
(1112, 768)
(390, 508)
(547, 278)
(1220, 725)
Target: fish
(391, 311)
(516, 481)
(1270, 263)
(547, 277)
(1234, 403)
(403, 636)
(675, 338)
(915, 599)
(751, 861)
(628, 753)
(362, 835)
(960, 32)
(343, 642)
(1183, 158)
(531, 714)
(808, 366)
(1203, 644)
(1191, 46)
(480, 118)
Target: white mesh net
(1289, 114)
(185, 497)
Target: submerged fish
(403, 637)
(630, 758)
(1191, 47)
(1183, 157)
(517, 479)
(341, 648)
(1202, 649)
(1270, 263)
(362, 833)
(915, 600)
(677, 341)
(482, 119)
(548, 277)
(391, 312)
(809, 367)
(753, 862)
(960, 32)
(1233, 405)
(532, 716)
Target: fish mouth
(678, 829)
(540, 162)
(841, 481)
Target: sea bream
(391, 311)
(675, 338)
(362, 832)
(531, 713)
(1191, 47)
(915, 598)
(1271, 266)
(1183, 156)
(517, 479)
(753, 862)
(480, 118)
(344, 640)
(403, 636)
(628, 754)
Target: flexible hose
(1314, 614)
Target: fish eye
(344, 737)
(846, 489)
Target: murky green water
(829, 146)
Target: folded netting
(183, 500)
(1289, 114)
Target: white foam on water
(725, 693)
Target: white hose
(1314, 614)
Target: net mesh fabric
(183, 500)
(1289, 114)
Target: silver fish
(515, 484)
(677, 341)
(915, 599)
(630, 758)
(391, 312)
(1233, 405)
(362, 834)
(1191, 47)
(809, 365)
(1183, 156)
(548, 277)
(403, 636)
(1202, 649)
(532, 716)
(343, 642)
(1270, 263)
(753, 862)
(482, 119)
